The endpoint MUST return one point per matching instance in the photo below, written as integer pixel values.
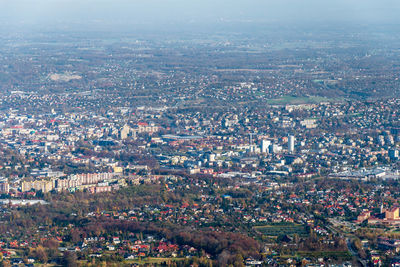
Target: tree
(357, 245)
(69, 259)
(40, 254)
(223, 258)
(51, 243)
(238, 262)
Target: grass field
(282, 229)
(292, 100)
(344, 255)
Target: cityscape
(247, 144)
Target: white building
(265, 145)
(291, 141)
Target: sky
(52, 13)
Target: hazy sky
(165, 12)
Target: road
(348, 243)
(355, 253)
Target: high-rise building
(291, 141)
(124, 132)
(265, 145)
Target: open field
(282, 229)
(344, 255)
(292, 100)
(151, 260)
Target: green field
(344, 255)
(292, 100)
(282, 229)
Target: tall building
(265, 146)
(291, 141)
(124, 132)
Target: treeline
(224, 246)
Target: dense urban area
(210, 150)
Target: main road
(349, 237)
